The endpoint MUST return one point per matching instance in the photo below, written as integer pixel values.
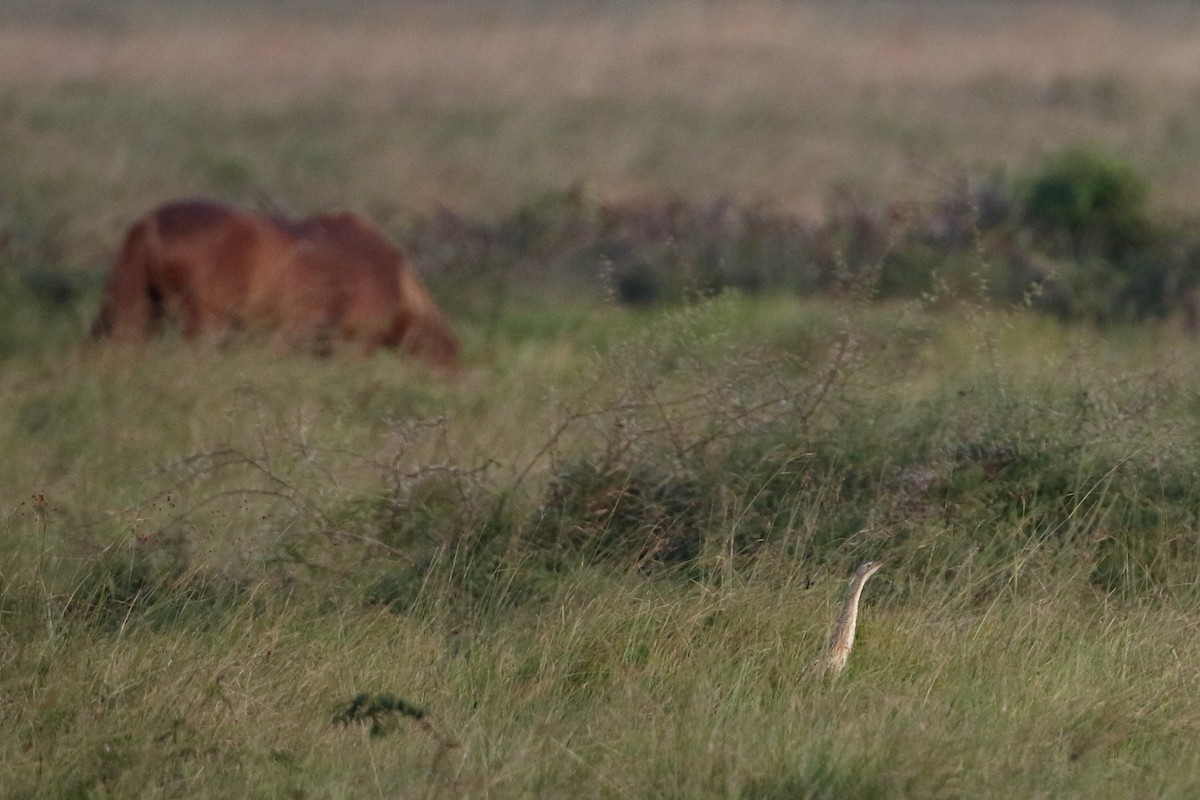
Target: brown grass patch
(757, 47)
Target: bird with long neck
(841, 638)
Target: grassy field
(599, 560)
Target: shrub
(646, 515)
(1075, 238)
(1090, 202)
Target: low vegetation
(1076, 237)
(613, 582)
(600, 559)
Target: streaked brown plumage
(841, 638)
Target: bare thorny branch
(676, 414)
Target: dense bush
(1089, 204)
(1075, 237)
(1105, 257)
(644, 251)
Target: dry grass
(705, 51)
(754, 98)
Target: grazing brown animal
(212, 269)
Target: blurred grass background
(481, 109)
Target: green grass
(601, 558)
(229, 549)
(619, 688)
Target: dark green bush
(1091, 203)
(1095, 250)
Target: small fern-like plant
(379, 710)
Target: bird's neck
(850, 612)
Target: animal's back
(213, 261)
(190, 261)
(183, 218)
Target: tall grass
(612, 584)
(598, 561)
